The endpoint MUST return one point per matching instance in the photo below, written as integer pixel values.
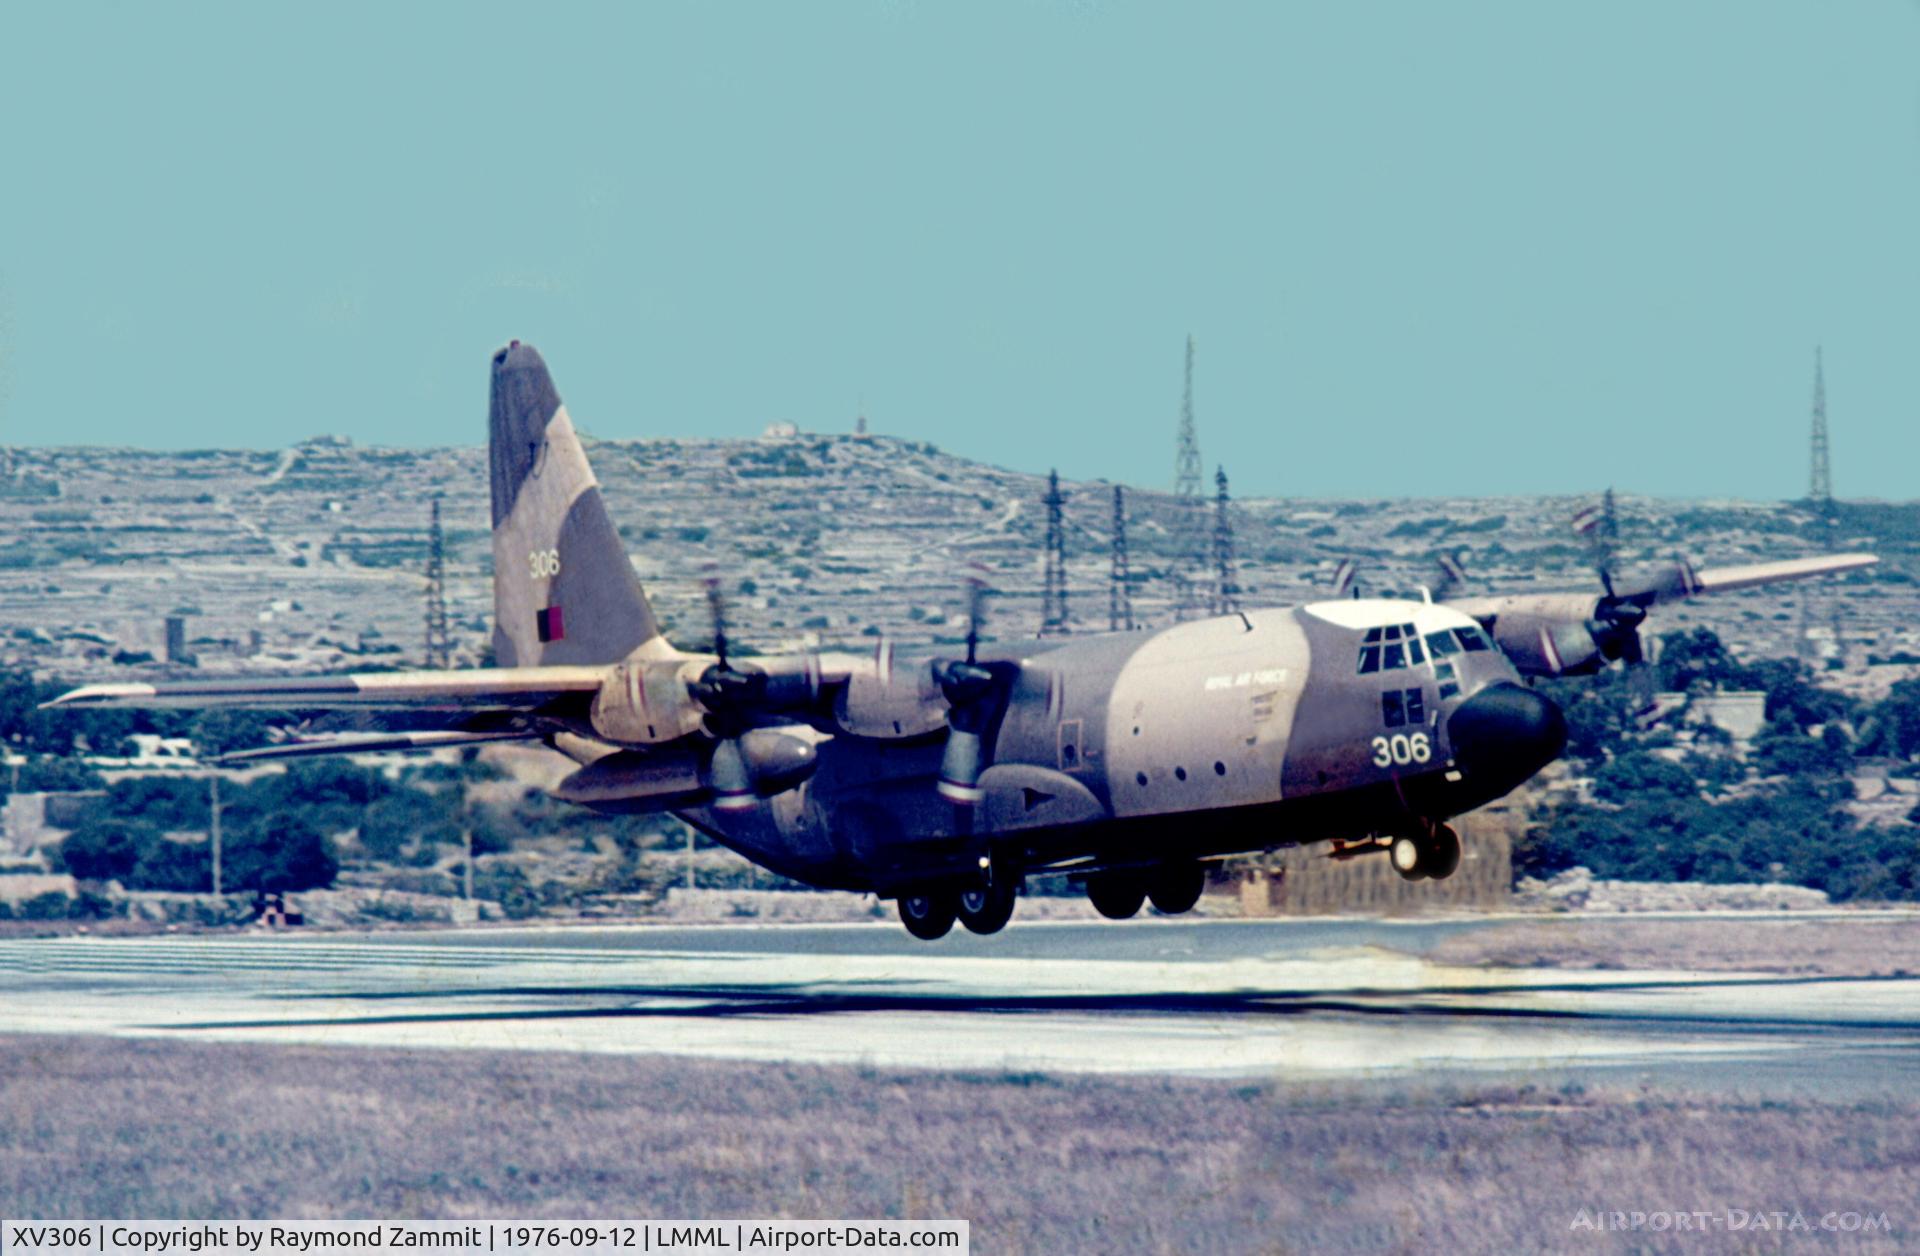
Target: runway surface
(1308, 999)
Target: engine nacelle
(682, 776)
(775, 761)
(1543, 634)
(632, 780)
(879, 701)
(647, 703)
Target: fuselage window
(1441, 644)
(1416, 707)
(1471, 638)
(1392, 710)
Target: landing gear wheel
(1116, 895)
(1440, 853)
(928, 916)
(987, 908)
(1176, 888)
(1407, 858)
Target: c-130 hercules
(1125, 760)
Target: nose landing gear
(1433, 854)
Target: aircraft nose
(1505, 733)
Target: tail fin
(563, 590)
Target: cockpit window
(1472, 638)
(1393, 646)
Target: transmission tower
(1189, 508)
(1826, 519)
(1119, 589)
(1226, 588)
(1606, 535)
(1820, 484)
(439, 654)
(1053, 606)
(1826, 516)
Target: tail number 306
(1401, 749)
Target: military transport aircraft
(1124, 760)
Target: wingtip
(98, 695)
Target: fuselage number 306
(544, 563)
(1401, 749)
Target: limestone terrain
(312, 557)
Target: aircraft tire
(1116, 895)
(1409, 859)
(988, 908)
(1176, 888)
(1440, 853)
(928, 916)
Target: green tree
(105, 849)
(285, 854)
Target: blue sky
(1463, 248)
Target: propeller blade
(717, 611)
(976, 608)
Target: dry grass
(105, 1128)
(1866, 947)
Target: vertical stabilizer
(563, 590)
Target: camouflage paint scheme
(1125, 759)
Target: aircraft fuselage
(1238, 733)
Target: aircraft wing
(490, 688)
(1552, 634)
(1669, 584)
(1725, 579)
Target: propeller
(971, 697)
(1452, 574)
(730, 697)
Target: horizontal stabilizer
(506, 688)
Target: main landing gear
(1121, 893)
(1433, 854)
(981, 908)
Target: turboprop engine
(769, 762)
(1559, 634)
